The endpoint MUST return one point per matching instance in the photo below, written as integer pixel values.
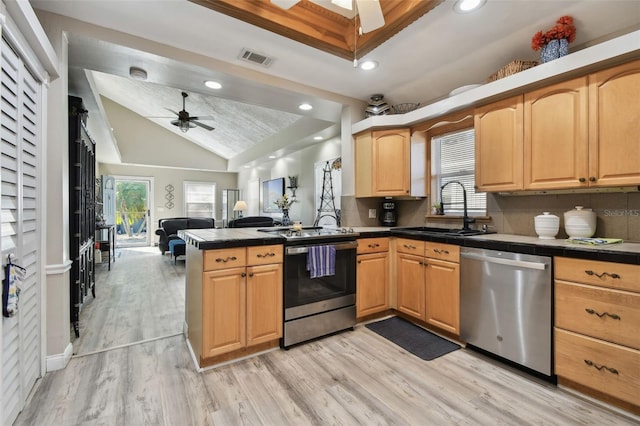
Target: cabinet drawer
(442, 251)
(373, 245)
(604, 274)
(224, 258)
(410, 246)
(264, 255)
(611, 315)
(603, 366)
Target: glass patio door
(132, 211)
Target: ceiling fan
(369, 11)
(185, 122)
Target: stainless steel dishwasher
(505, 305)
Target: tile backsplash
(618, 213)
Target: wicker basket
(511, 68)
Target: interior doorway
(133, 221)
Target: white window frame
(453, 194)
(186, 192)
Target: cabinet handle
(408, 246)
(270, 254)
(601, 367)
(441, 251)
(593, 312)
(225, 260)
(359, 261)
(604, 274)
(374, 245)
(582, 180)
(251, 274)
(592, 179)
(244, 274)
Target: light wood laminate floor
(142, 297)
(353, 378)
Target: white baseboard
(59, 361)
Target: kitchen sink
(429, 230)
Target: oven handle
(339, 246)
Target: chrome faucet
(466, 220)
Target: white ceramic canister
(547, 226)
(580, 223)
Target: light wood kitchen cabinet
(383, 163)
(555, 136)
(372, 287)
(443, 286)
(224, 311)
(614, 126)
(597, 318)
(499, 145)
(580, 133)
(411, 285)
(236, 307)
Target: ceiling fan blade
(285, 4)
(172, 111)
(204, 126)
(370, 12)
(202, 117)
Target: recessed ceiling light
(465, 6)
(368, 65)
(213, 84)
(305, 107)
(317, 138)
(272, 157)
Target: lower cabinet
(372, 272)
(428, 283)
(240, 305)
(597, 318)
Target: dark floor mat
(412, 338)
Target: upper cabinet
(498, 133)
(580, 133)
(555, 136)
(386, 161)
(614, 126)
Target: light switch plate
(372, 213)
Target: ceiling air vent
(255, 57)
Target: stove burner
(311, 233)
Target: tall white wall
(298, 164)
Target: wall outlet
(372, 214)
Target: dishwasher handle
(511, 262)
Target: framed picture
(271, 191)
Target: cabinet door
(555, 136)
(614, 147)
(264, 303)
(499, 150)
(391, 162)
(223, 311)
(411, 285)
(372, 289)
(443, 295)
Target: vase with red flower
(555, 43)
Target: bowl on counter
(547, 226)
(580, 223)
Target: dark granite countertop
(206, 239)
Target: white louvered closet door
(21, 230)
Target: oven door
(304, 295)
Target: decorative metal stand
(327, 199)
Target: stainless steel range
(315, 307)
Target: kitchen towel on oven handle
(321, 261)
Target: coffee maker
(389, 216)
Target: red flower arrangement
(564, 28)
